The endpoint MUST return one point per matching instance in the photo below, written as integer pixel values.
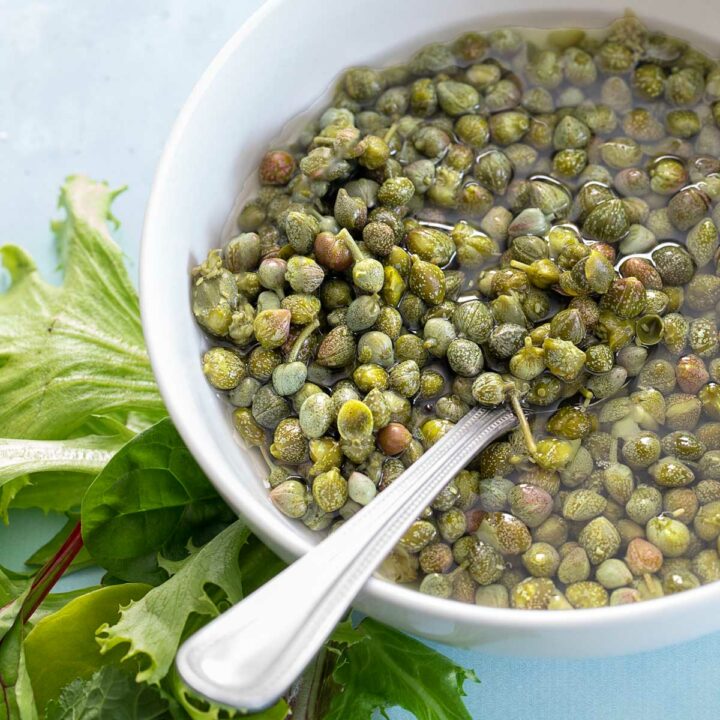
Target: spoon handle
(252, 653)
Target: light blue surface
(93, 87)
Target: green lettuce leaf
(8, 492)
(152, 627)
(47, 491)
(197, 708)
(16, 696)
(380, 668)
(12, 585)
(86, 454)
(77, 350)
(151, 498)
(56, 601)
(47, 551)
(109, 694)
(62, 647)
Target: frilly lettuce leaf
(62, 647)
(46, 491)
(152, 628)
(76, 350)
(380, 668)
(197, 708)
(109, 693)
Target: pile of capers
(498, 220)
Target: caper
(600, 539)
(669, 535)
(445, 235)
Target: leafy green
(258, 564)
(200, 709)
(46, 491)
(12, 585)
(109, 694)
(16, 697)
(62, 646)
(86, 455)
(150, 498)
(77, 350)
(53, 545)
(153, 626)
(8, 493)
(56, 601)
(380, 668)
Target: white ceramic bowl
(280, 62)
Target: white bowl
(278, 64)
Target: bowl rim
(401, 598)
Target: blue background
(93, 87)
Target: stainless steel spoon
(250, 655)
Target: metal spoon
(250, 655)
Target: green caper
(444, 236)
(223, 368)
(669, 535)
(600, 539)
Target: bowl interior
(257, 90)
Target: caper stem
(267, 457)
(389, 134)
(305, 333)
(348, 239)
(522, 418)
(327, 141)
(519, 265)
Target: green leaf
(150, 497)
(56, 601)
(53, 545)
(12, 585)
(110, 694)
(380, 668)
(77, 350)
(258, 564)
(46, 491)
(62, 646)
(153, 627)
(86, 455)
(8, 493)
(200, 709)
(16, 697)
